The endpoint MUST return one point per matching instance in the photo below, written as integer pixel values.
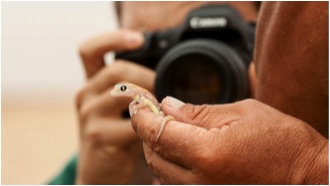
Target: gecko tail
(165, 120)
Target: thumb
(187, 113)
(92, 51)
(206, 116)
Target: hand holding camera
(110, 151)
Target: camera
(204, 60)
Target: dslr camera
(204, 60)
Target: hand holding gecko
(245, 142)
(141, 97)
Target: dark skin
(249, 142)
(246, 142)
(294, 36)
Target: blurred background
(41, 73)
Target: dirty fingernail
(173, 102)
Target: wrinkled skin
(249, 142)
(242, 143)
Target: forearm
(291, 60)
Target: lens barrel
(201, 71)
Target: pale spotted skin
(141, 97)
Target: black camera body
(204, 60)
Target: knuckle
(197, 113)
(88, 49)
(94, 133)
(206, 157)
(84, 50)
(85, 112)
(203, 158)
(249, 102)
(149, 132)
(117, 70)
(80, 97)
(119, 66)
(246, 106)
(151, 137)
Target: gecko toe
(132, 108)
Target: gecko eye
(123, 88)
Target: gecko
(141, 97)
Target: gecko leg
(132, 108)
(162, 125)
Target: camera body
(204, 60)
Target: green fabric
(68, 174)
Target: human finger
(111, 131)
(103, 104)
(206, 116)
(92, 51)
(121, 71)
(167, 171)
(179, 142)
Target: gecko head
(121, 90)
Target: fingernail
(133, 37)
(173, 102)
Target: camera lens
(202, 71)
(193, 81)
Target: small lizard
(141, 97)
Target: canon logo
(208, 22)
